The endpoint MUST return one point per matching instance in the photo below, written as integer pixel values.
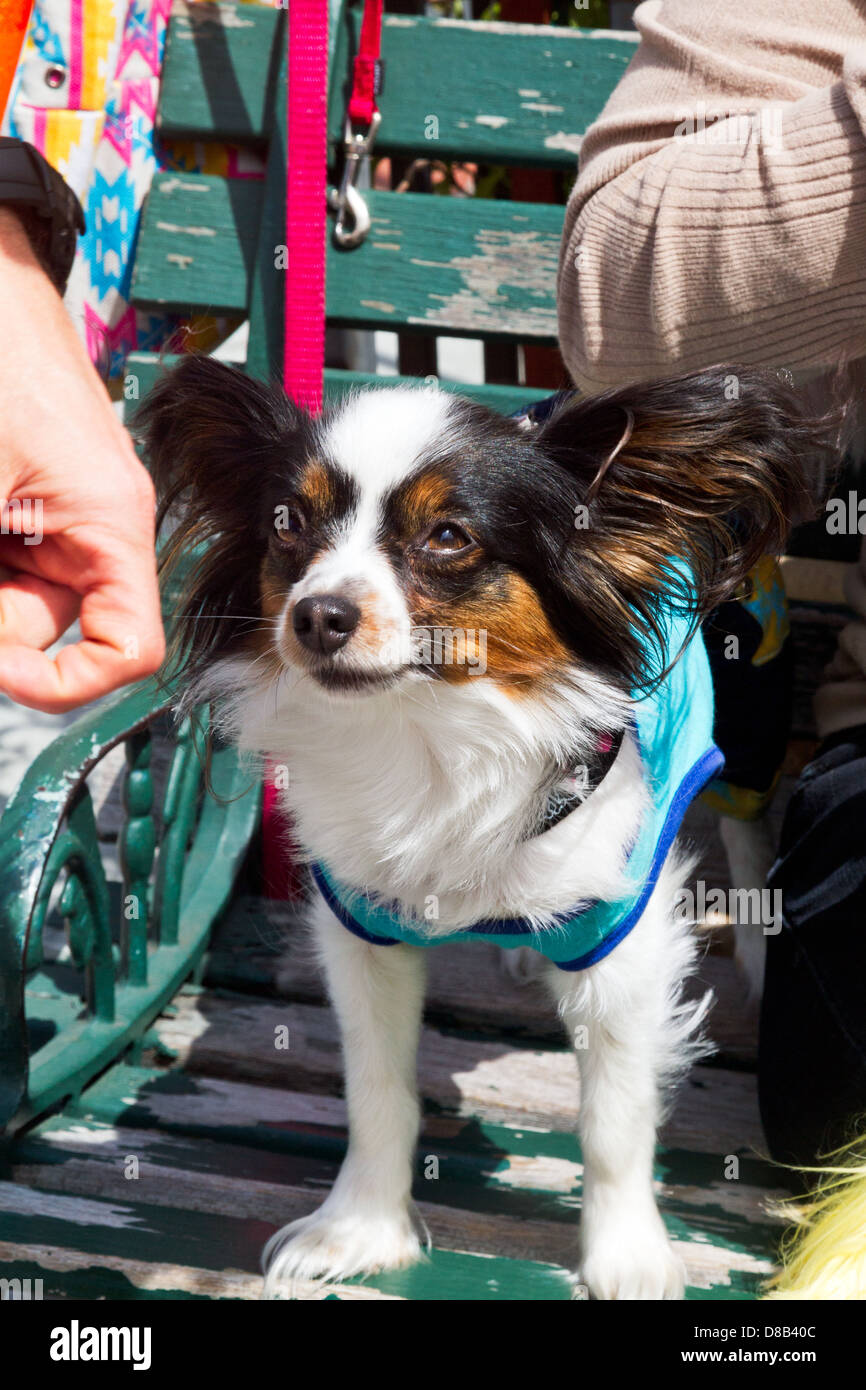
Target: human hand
(84, 546)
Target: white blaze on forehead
(380, 436)
(378, 439)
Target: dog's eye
(289, 523)
(447, 538)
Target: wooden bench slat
(197, 244)
(283, 1120)
(503, 399)
(262, 945)
(720, 1230)
(518, 94)
(480, 1166)
(70, 1272)
(143, 369)
(474, 267)
(255, 1180)
(467, 267)
(88, 1247)
(134, 1230)
(450, 90)
(219, 71)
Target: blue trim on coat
(693, 783)
(344, 915)
(697, 777)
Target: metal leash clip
(346, 200)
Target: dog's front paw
(334, 1244)
(632, 1265)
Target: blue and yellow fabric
(751, 661)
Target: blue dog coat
(673, 726)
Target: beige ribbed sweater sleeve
(720, 214)
(736, 239)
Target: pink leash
(367, 73)
(306, 206)
(304, 321)
(306, 214)
(306, 180)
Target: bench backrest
(513, 95)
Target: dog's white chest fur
(428, 793)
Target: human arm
(63, 449)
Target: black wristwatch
(49, 210)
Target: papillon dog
(520, 779)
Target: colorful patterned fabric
(85, 95)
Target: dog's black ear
(211, 436)
(707, 469)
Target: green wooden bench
(128, 1064)
(450, 266)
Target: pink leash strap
(306, 208)
(304, 312)
(304, 309)
(367, 75)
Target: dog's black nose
(325, 622)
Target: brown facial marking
(316, 495)
(422, 501)
(522, 649)
(316, 489)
